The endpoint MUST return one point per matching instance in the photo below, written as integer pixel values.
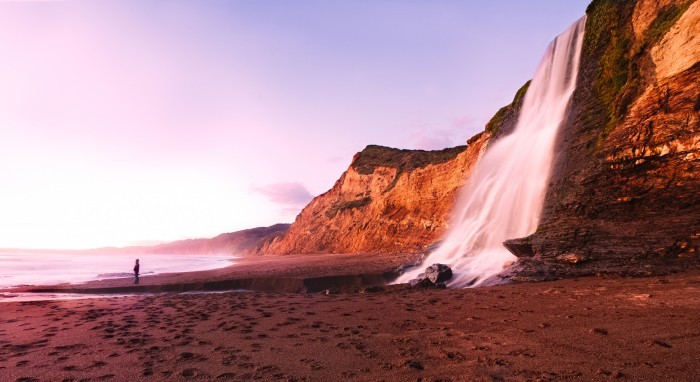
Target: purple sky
(123, 121)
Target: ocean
(37, 268)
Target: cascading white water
(503, 197)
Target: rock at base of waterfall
(521, 247)
(421, 282)
(438, 273)
(434, 276)
(572, 258)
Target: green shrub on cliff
(610, 38)
(520, 95)
(496, 121)
(347, 205)
(494, 125)
(664, 21)
(374, 156)
(608, 28)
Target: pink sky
(150, 120)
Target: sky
(134, 122)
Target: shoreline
(590, 328)
(283, 273)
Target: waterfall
(503, 197)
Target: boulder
(434, 276)
(438, 273)
(421, 282)
(521, 247)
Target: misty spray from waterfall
(504, 196)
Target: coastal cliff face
(625, 190)
(239, 243)
(625, 193)
(389, 200)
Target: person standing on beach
(136, 272)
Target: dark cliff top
(405, 160)
(503, 122)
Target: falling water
(504, 196)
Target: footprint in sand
(190, 373)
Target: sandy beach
(232, 190)
(594, 328)
(289, 273)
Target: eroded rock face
(389, 200)
(392, 200)
(645, 13)
(520, 247)
(678, 51)
(625, 193)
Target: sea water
(40, 268)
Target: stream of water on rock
(503, 197)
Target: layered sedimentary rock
(388, 200)
(625, 193)
(391, 200)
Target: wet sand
(582, 329)
(290, 273)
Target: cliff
(625, 193)
(388, 200)
(245, 242)
(392, 200)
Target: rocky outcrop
(520, 247)
(392, 200)
(625, 192)
(438, 273)
(624, 195)
(389, 200)
(503, 122)
(434, 276)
